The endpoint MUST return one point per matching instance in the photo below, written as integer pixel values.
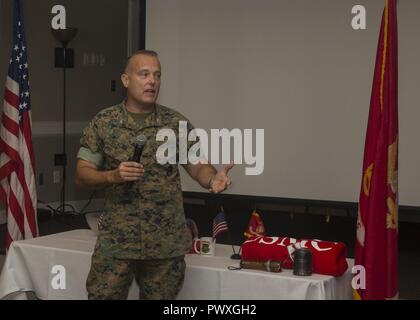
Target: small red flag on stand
(255, 226)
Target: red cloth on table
(327, 257)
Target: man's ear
(125, 80)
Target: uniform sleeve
(91, 145)
(93, 157)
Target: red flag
(377, 223)
(17, 160)
(255, 227)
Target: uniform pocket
(119, 144)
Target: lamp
(64, 36)
(63, 58)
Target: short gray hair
(143, 52)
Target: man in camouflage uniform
(143, 234)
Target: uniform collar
(155, 119)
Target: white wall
(296, 69)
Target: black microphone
(138, 150)
(269, 266)
(138, 147)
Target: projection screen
(298, 70)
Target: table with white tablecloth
(29, 267)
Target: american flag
(17, 159)
(219, 224)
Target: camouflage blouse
(145, 220)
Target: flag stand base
(235, 256)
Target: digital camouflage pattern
(110, 278)
(146, 221)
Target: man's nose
(151, 79)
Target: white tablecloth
(29, 265)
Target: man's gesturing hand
(220, 180)
(126, 171)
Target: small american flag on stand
(219, 224)
(17, 159)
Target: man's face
(142, 79)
